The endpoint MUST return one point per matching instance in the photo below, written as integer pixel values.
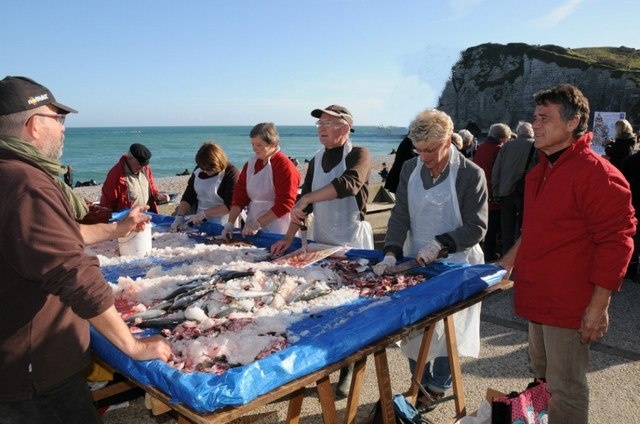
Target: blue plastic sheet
(322, 338)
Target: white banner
(604, 129)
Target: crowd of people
(539, 201)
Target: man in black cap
(130, 182)
(335, 189)
(51, 289)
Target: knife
(303, 237)
(406, 266)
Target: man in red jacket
(130, 182)
(575, 244)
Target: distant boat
(390, 130)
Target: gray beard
(55, 154)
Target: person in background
(631, 171)
(335, 189)
(209, 190)
(68, 176)
(485, 157)
(507, 181)
(130, 182)
(456, 140)
(403, 153)
(384, 172)
(267, 186)
(440, 210)
(51, 288)
(575, 245)
(623, 145)
(469, 144)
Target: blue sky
(158, 62)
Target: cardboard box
(489, 395)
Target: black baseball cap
(337, 111)
(18, 94)
(141, 153)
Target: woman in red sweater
(267, 186)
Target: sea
(93, 151)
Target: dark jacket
(404, 153)
(618, 150)
(50, 286)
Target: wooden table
(159, 402)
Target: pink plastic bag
(527, 407)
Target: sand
(177, 184)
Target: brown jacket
(49, 286)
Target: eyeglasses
(433, 146)
(423, 151)
(328, 124)
(58, 117)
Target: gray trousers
(558, 356)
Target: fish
(183, 300)
(183, 288)
(147, 314)
(243, 294)
(164, 322)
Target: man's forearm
(110, 325)
(96, 233)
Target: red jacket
(114, 190)
(577, 233)
(485, 157)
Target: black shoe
(427, 403)
(344, 382)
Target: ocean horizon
(92, 151)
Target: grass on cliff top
(623, 58)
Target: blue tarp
(324, 338)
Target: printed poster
(604, 129)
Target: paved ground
(503, 365)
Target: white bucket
(136, 244)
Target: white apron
(207, 192)
(262, 193)
(432, 212)
(337, 221)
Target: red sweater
(577, 233)
(114, 190)
(485, 157)
(286, 180)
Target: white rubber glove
(250, 228)
(197, 218)
(385, 263)
(178, 222)
(429, 253)
(227, 231)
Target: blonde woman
(440, 210)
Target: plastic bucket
(136, 244)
